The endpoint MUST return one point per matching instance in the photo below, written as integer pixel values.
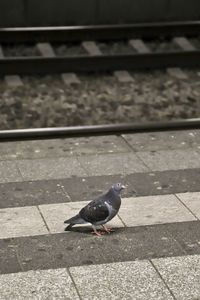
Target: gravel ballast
(99, 99)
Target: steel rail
(98, 32)
(94, 130)
(99, 63)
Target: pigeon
(100, 210)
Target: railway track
(138, 39)
(96, 130)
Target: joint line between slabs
(20, 173)
(43, 220)
(157, 271)
(127, 143)
(72, 279)
(177, 197)
(121, 220)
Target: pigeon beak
(123, 187)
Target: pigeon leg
(98, 233)
(108, 230)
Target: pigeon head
(117, 187)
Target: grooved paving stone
(138, 184)
(153, 210)
(127, 280)
(62, 147)
(168, 140)
(31, 193)
(187, 234)
(80, 247)
(88, 188)
(21, 221)
(182, 275)
(171, 159)
(38, 169)
(15, 194)
(112, 164)
(8, 258)
(9, 172)
(45, 284)
(56, 214)
(192, 201)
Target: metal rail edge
(98, 32)
(94, 130)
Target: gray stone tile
(186, 234)
(45, 284)
(9, 172)
(21, 221)
(182, 275)
(62, 147)
(153, 210)
(87, 188)
(139, 184)
(192, 201)
(164, 140)
(28, 193)
(56, 214)
(112, 164)
(79, 247)
(127, 280)
(39, 169)
(8, 257)
(171, 159)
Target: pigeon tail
(75, 220)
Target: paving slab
(8, 258)
(21, 221)
(127, 280)
(87, 188)
(45, 284)
(192, 201)
(186, 234)
(182, 275)
(112, 164)
(80, 247)
(170, 159)
(9, 172)
(153, 210)
(65, 211)
(28, 193)
(137, 184)
(169, 140)
(39, 169)
(62, 147)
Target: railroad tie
(11, 80)
(139, 46)
(46, 50)
(142, 48)
(122, 76)
(184, 43)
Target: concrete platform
(154, 251)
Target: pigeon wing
(95, 211)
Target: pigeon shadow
(88, 230)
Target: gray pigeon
(100, 210)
